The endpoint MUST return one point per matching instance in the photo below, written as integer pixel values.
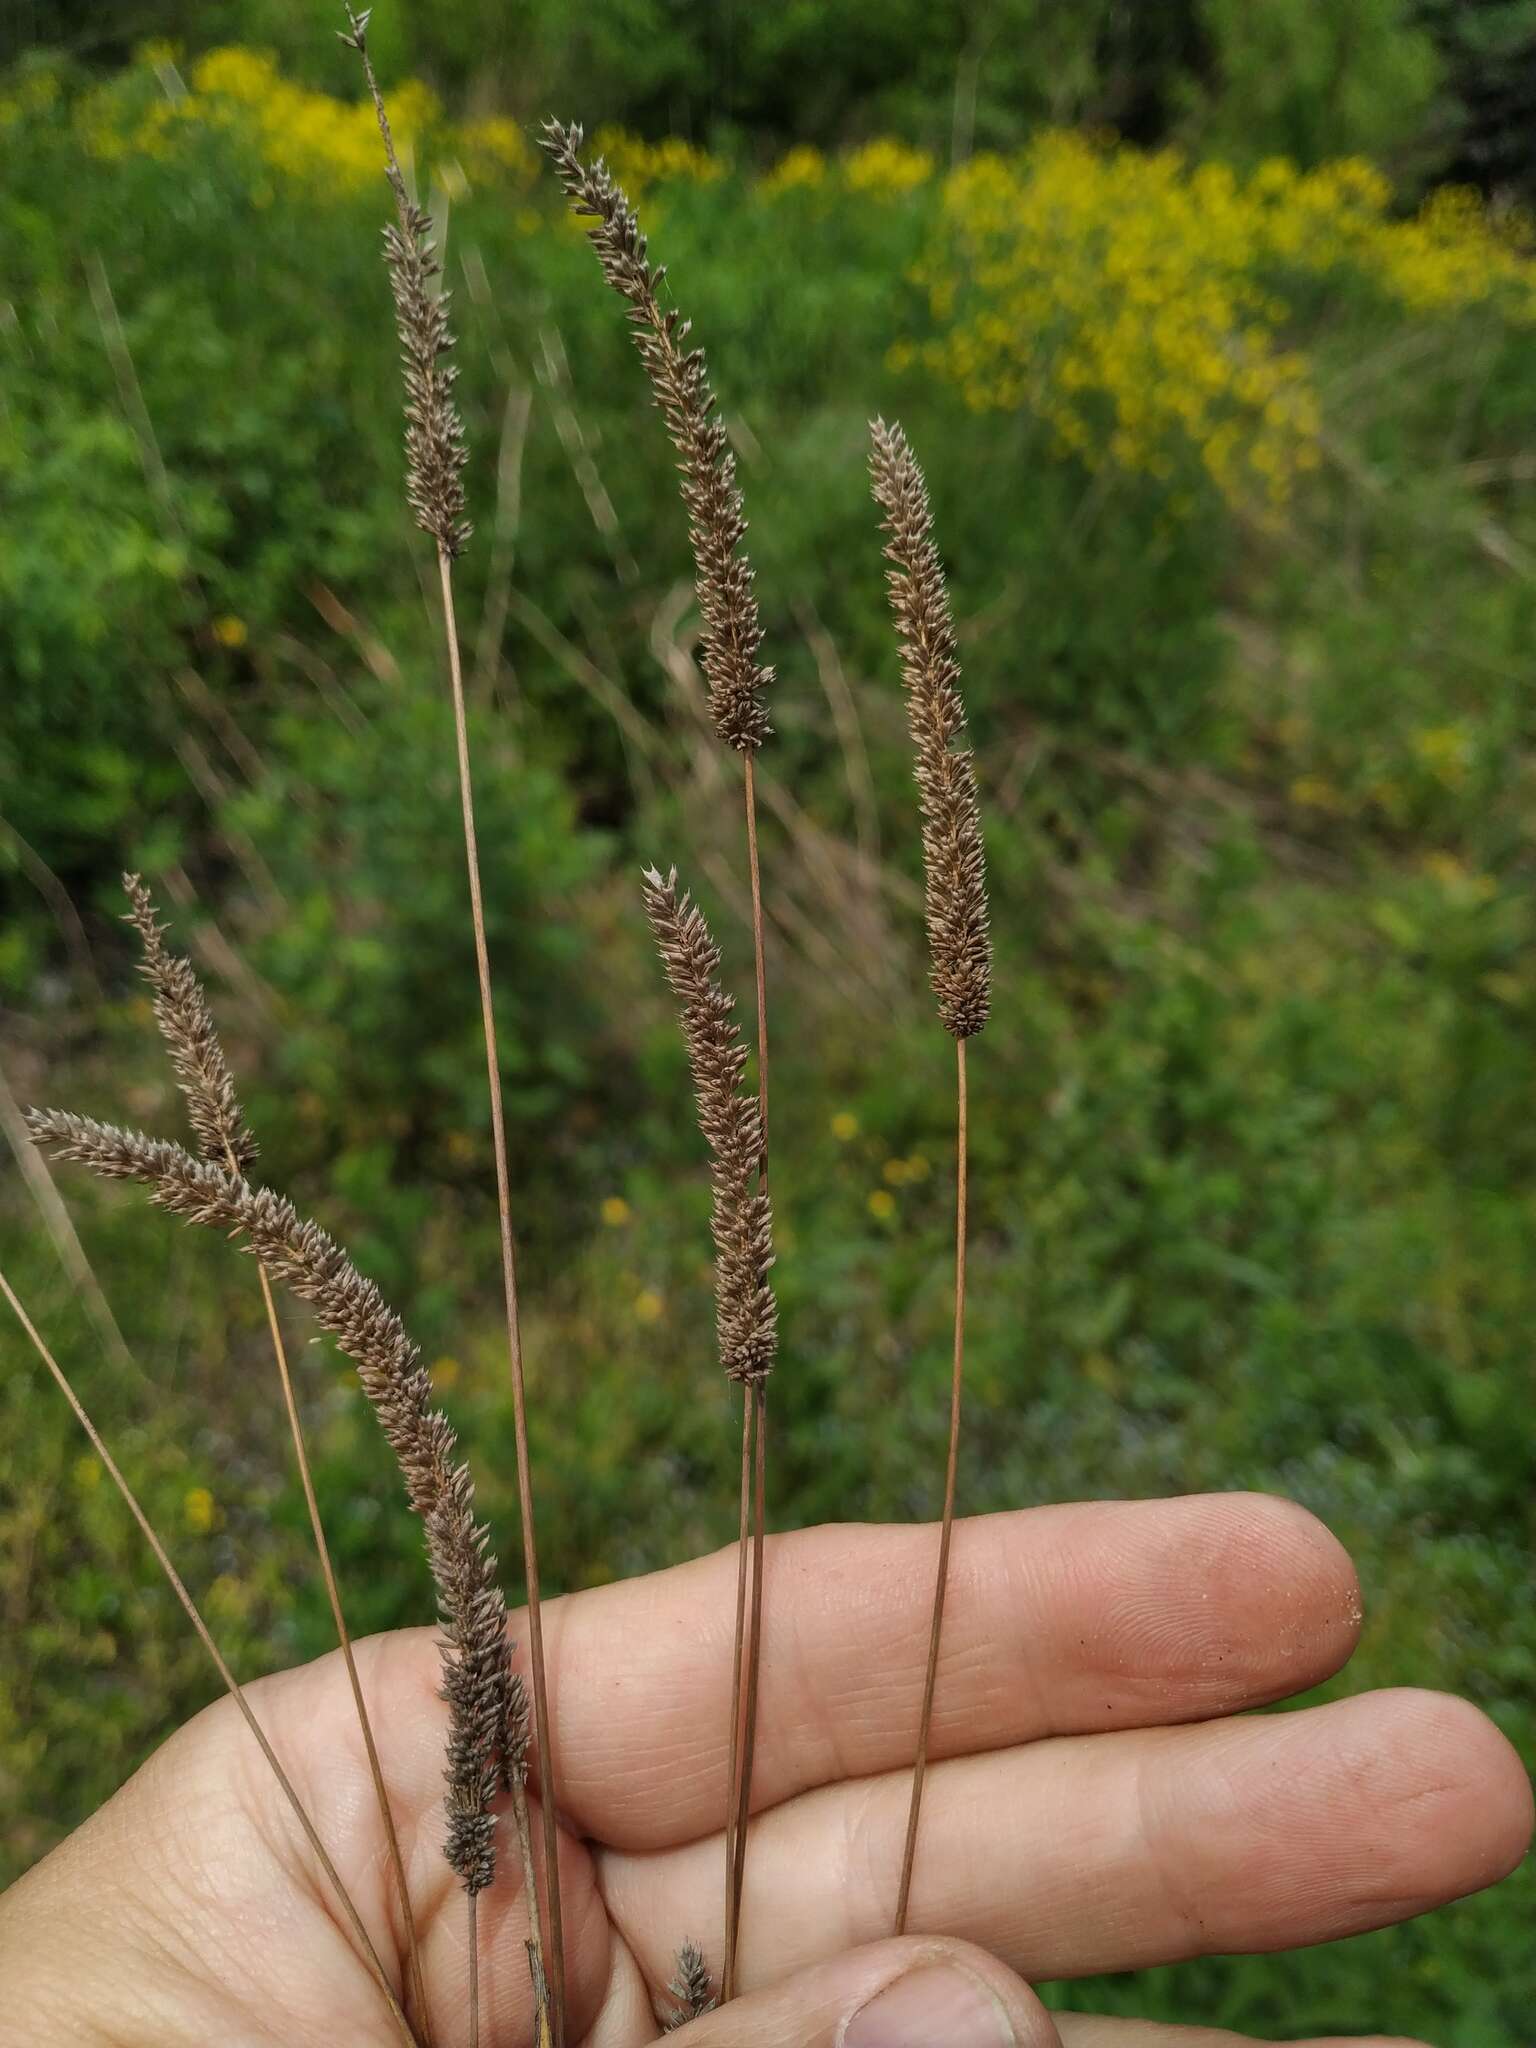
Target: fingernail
(932, 2007)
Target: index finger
(1059, 1620)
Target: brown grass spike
(745, 1312)
(299, 1255)
(435, 458)
(214, 1112)
(959, 940)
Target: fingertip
(1478, 1775)
(1407, 1768)
(1312, 1582)
(1215, 1601)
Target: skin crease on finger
(1105, 1616)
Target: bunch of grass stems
(959, 941)
(492, 1715)
(737, 680)
(435, 457)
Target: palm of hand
(1095, 1804)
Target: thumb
(894, 1994)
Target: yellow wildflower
(1130, 298)
(886, 169)
(199, 1509)
(615, 1211)
(1446, 751)
(638, 164)
(799, 167)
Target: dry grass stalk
(742, 1220)
(959, 940)
(215, 1655)
(716, 521)
(690, 1988)
(954, 868)
(477, 1676)
(214, 1112)
(435, 457)
(191, 1039)
(736, 682)
(435, 454)
(745, 1311)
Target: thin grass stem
(738, 1653)
(230, 1682)
(472, 1967)
(553, 1957)
(754, 1656)
(946, 1527)
(542, 2035)
(744, 1686)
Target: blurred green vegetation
(1238, 512)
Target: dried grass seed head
(301, 1256)
(690, 1988)
(187, 1027)
(954, 864)
(516, 1730)
(435, 453)
(679, 379)
(746, 1314)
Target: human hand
(1097, 1801)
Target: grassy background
(1231, 466)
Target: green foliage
(1308, 80)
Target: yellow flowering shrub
(308, 136)
(885, 169)
(1140, 304)
(1145, 307)
(797, 169)
(638, 164)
